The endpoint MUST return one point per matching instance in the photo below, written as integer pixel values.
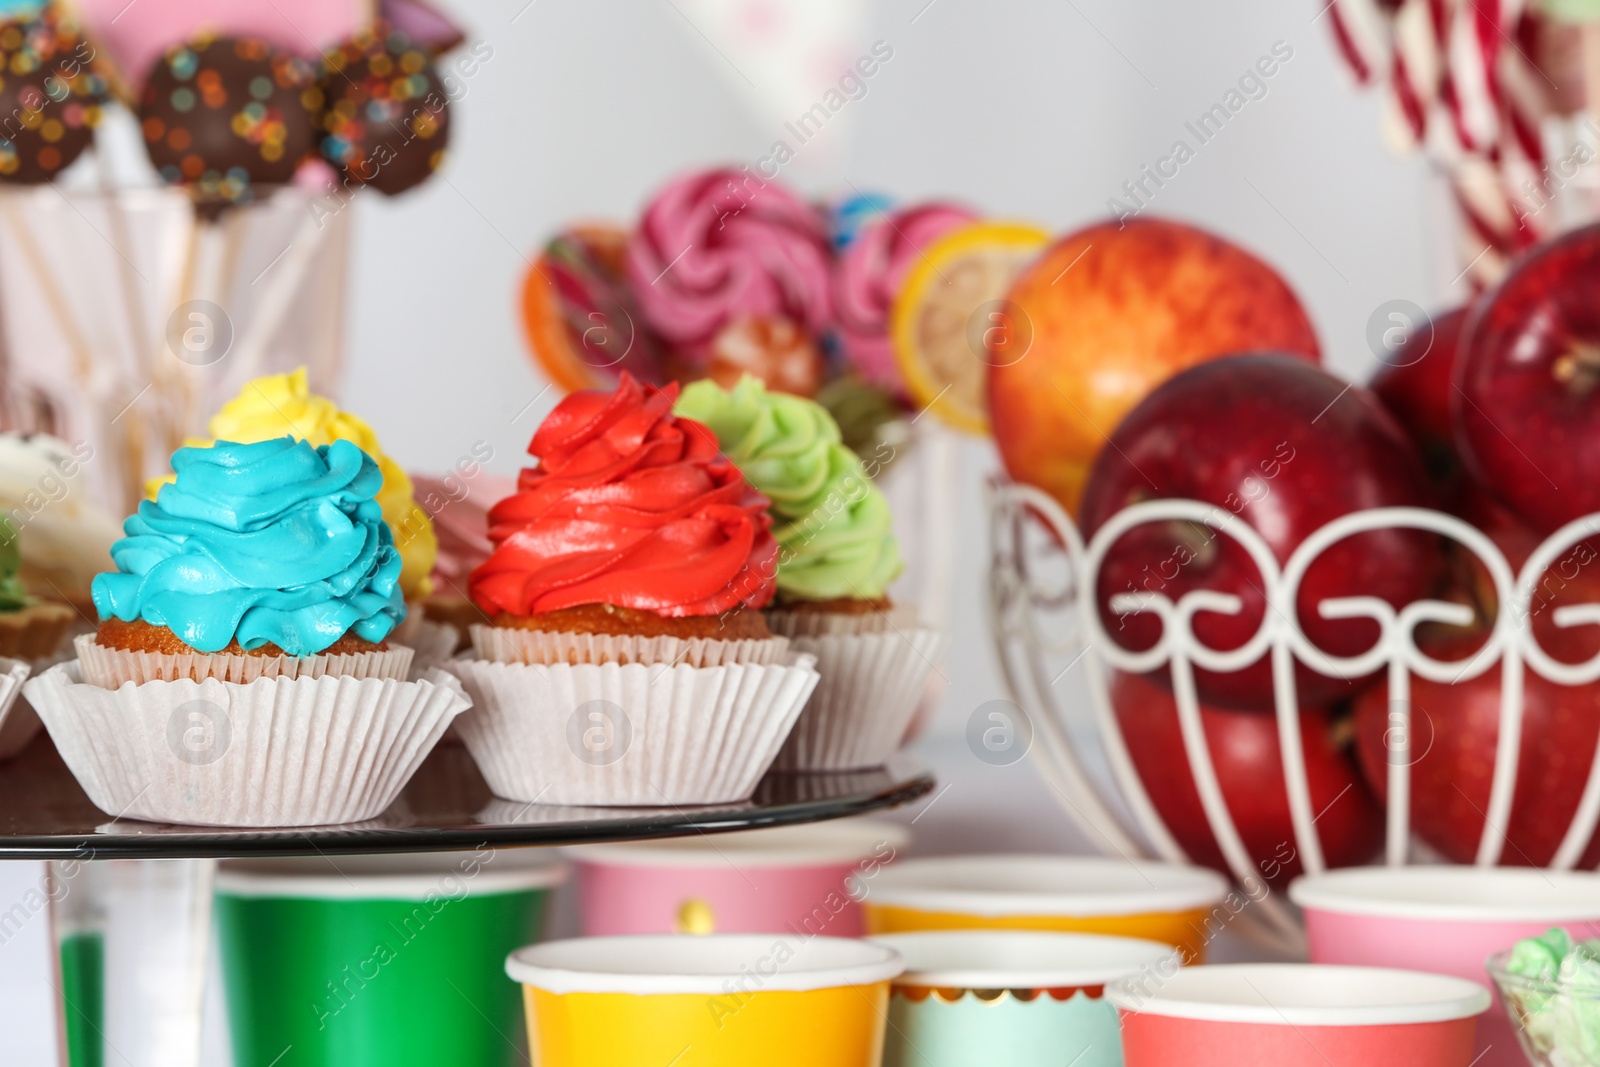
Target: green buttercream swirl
(12, 596)
(832, 524)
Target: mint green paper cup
(1011, 998)
(396, 961)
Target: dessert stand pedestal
(130, 902)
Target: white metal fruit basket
(1045, 622)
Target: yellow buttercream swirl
(279, 404)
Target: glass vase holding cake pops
(126, 320)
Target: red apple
(1527, 409)
(1288, 448)
(1415, 385)
(1244, 748)
(1454, 730)
(1573, 577)
(1114, 310)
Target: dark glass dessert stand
(131, 935)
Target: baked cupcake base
(36, 631)
(741, 625)
(137, 652)
(600, 633)
(279, 751)
(800, 618)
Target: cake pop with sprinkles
(226, 116)
(50, 98)
(387, 118)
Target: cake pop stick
(131, 422)
(281, 283)
(83, 367)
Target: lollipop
(772, 350)
(849, 216)
(387, 119)
(721, 245)
(582, 324)
(50, 101)
(868, 277)
(227, 115)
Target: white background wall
(1035, 109)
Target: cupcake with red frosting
(632, 534)
(628, 661)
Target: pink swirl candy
(720, 245)
(868, 276)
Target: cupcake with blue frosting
(243, 672)
(262, 559)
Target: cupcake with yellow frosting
(837, 558)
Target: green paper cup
(379, 960)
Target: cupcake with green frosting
(30, 629)
(837, 553)
(837, 558)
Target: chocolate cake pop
(50, 99)
(227, 115)
(387, 121)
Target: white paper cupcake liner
(276, 752)
(18, 724)
(820, 623)
(406, 629)
(109, 668)
(431, 643)
(623, 735)
(502, 644)
(871, 686)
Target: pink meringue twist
(460, 508)
(720, 245)
(868, 277)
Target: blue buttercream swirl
(275, 542)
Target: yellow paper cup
(1162, 902)
(721, 1000)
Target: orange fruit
(950, 321)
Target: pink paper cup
(805, 880)
(1448, 920)
(1297, 1015)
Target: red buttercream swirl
(630, 506)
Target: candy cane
(1362, 31)
(1461, 85)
